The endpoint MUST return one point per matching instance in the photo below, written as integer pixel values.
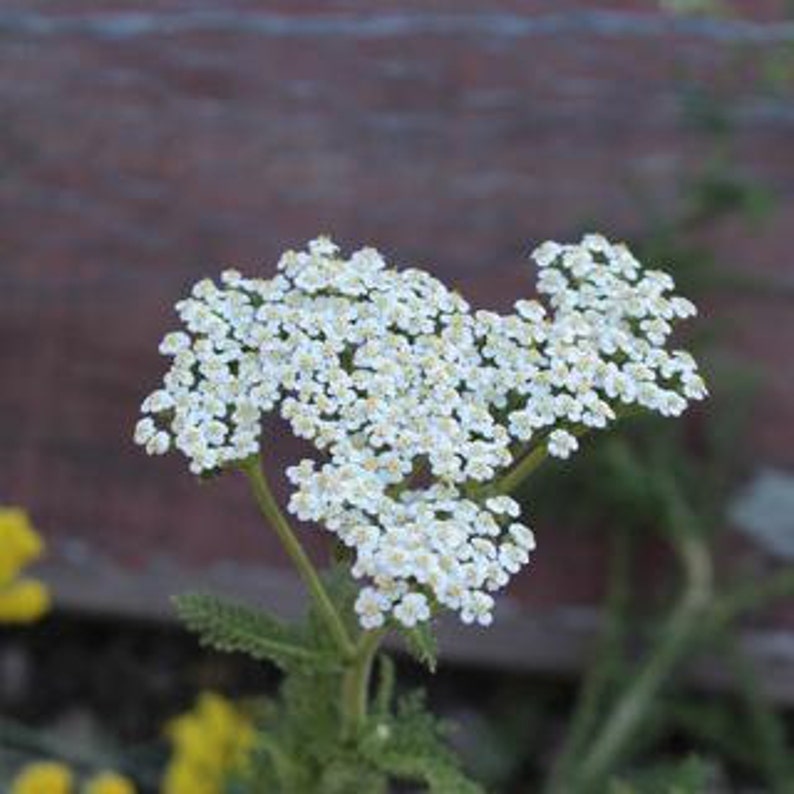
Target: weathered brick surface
(143, 145)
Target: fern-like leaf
(422, 644)
(410, 746)
(234, 627)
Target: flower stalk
(359, 657)
(272, 513)
(513, 478)
(632, 707)
(356, 683)
(686, 619)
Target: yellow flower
(46, 777)
(21, 600)
(19, 542)
(184, 778)
(109, 783)
(210, 742)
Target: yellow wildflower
(210, 743)
(21, 600)
(110, 783)
(19, 543)
(182, 777)
(46, 777)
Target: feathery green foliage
(422, 644)
(410, 745)
(304, 745)
(234, 627)
(691, 776)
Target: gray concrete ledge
(554, 641)
(124, 25)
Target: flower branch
(270, 510)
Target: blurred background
(146, 145)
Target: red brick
(134, 164)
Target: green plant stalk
(602, 673)
(513, 478)
(38, 744)
(768, 730)
(272, 513)
(385, 691)
(526, 465)
(746, 597)
(356, 683)
(358, 658)
(17, 736)
(681, 628)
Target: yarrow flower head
(419, 404)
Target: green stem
(17, 736)
(767, 728)
(683, 624)
(385, 692)
(745, 597)
(356, 682)
(603, 672)
(41, 744)
(525, 467)
(270, 510)
(513, 478)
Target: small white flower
(478, 608)
(546, 253)
(561, 444)
(175, 342)
(370, 608)
(412, 609)
(158, 444)
(512, 557)
(523, 536)
(503, 505)
(145, 430)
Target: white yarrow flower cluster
(417, 402)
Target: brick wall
(143, 145)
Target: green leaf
(440, 776)
(234, 627)
(271, 767)
(692, 776)
(347, 775)
(422, 644)
(342, 589)
(411, 746)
